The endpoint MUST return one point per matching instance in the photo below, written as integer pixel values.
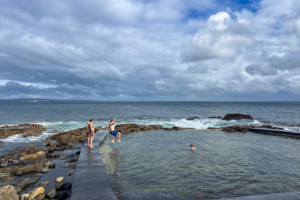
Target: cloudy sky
(150, 50)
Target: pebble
(59, 179)
(15, 162)
(44, 170)
(43, 184)
(51, 193)
(21, 158)
(19, 173)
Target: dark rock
(236, 116)
(236, 128)
(63, 194)
(63, 186)
(51, 193)
(51, 144)
(71, 160)
(72, 165)
(192, 118)
(39, 197)
(70, 173)
(49, 155)
(20, 182)
(56, 155)
(77, 153)
(43, 184)
(215, 117)
(44, 170)
(31, 135)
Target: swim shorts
(114, 133)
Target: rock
(59, 179)
(36, 192)
(21, 158)
(3, 165)
(236, 129)
(192, 118)
(44, 170)
(236, 116)
(40, 153)
(63, 186)
(77, 153)
(15, 162)
(20, 182)
(30, 156)
(51, 144)
(56, 155)
(27, 166)
(8, 192)
(50, 164)
(24, 196)
(215, 117)
(51, 193)
(72, 165)
(71, 160)
(77, 135)
(39, 197)
(63, 194)
(43, 184)
(19, 173)
(10, 160)
(49, 155)
(25, 129)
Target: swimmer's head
(192, 145)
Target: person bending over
(90, 132)
(116, 134)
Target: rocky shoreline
(33, 173)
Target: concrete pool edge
(90, 180)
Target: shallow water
(160, 165)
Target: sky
(150, 50)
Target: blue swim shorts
(114, 133)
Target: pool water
(158, 164)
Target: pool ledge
(90, 181)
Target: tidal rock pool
(160, 165)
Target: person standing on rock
(113, 132)
(90, 132)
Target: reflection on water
(159, 164)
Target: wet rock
(77, 135)
(156, 127)
(51, 144)
(39, 197)
(44, 170)
(192, 118)
(59, 179)
(3, 165)
(21, 158)
(40, 154)
(20, 182)
(49, 155)
(36, 192)
(77, 153)
(215, 117)
(43, 184)
(8, 192)
(51, 193)
(20, 152)
(19, 173)
(237, 116)
(63, 194)
(25, 129)
(10, 160)
(71, 160)
(72, 165)
(63, 186)
(236, 129)
(50, 164)
(15, 162)
(56, 155)
(24, 196)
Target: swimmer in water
(192, 147)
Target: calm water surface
(159, 164)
